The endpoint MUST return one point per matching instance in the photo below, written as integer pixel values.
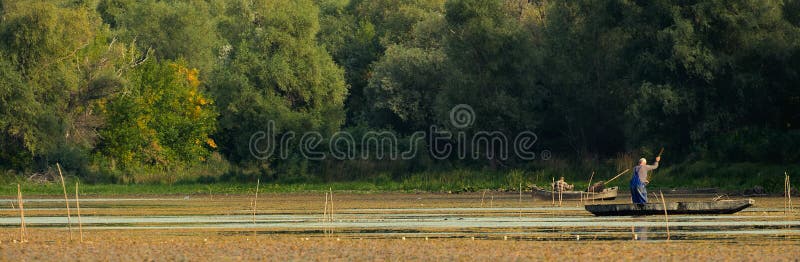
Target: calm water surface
(528, 221)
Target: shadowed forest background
(124, 91)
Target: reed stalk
(78, 207)
(66, 200)
(666, 216)
(22, 228)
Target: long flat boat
(607, 194)
(673, 208)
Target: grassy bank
(192, 189)
(732, 177)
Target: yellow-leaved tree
(160, 121)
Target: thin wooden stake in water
(553, 191)
(325, 216)
(785, 191)
(520, 200)
(66, 200)
(560, 194)
(330, 212)
(325, 209)
(22, 229)
(666, 216)
(483, 196)
(789, 193)
(78, 206)
(588, 191)
(255, 201)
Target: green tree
(357, 33)
(585, 48)
(173, 29)
(404, 85)
(274, 70)
(63, 57)
(18, 107)
(494, 61)
(706, 60)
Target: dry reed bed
(204, 246)
(53, 244)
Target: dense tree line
(116, 88)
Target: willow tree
(61, 54)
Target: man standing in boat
(639, 180)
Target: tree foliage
(494, 59)
(404, 86)
(173, 29)
(114, 87)
(161, 118)
(274, 70)
(19, 137)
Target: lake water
(439, 216)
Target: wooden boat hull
(673, 208)
(606, 194)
